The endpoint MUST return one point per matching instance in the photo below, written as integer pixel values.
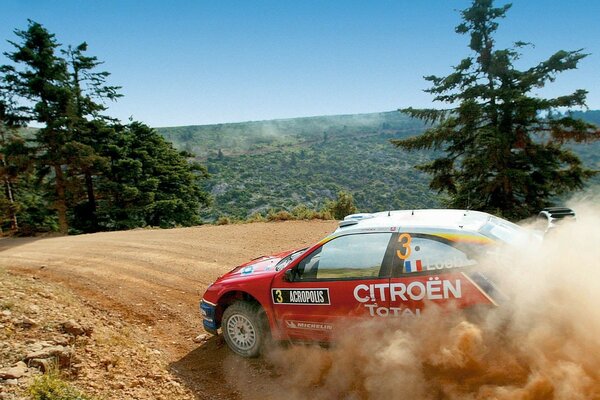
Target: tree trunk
(89, 184)
(12, 210)
(61, 201)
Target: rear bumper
(208, 311)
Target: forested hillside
(256, 166)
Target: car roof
(418, 220)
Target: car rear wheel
(243, 328)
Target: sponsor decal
(465, 238)
(375, 311)
(432, 289)
(301, 296)
(411, 266)
(313, 326)
(247, 270)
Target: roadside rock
(34, 309)
(74, 328)
(47, 295)
(46, 352)
(15, 372)
(203, 338)
(43, 364)
(38, 346)
(25, 322)
(60, 353)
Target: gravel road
(155, 278)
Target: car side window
(346, 257)
(417, 254)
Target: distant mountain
(592, 116)
(260, 136)
(260, 165)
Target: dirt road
(156, 278)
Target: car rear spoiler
(353, 219)
(549, 217)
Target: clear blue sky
(199, 62)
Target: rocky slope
(46, 328)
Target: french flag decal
(408, 266)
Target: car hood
(263, 265)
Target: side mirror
(289, 275)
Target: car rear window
(505, 231)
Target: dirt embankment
(153, 280)
(45, 328)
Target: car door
(432, 269)
(347, 276)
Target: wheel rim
(241, 332)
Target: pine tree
(43, 81)
(68, 95)
(90, 131)
(502, 144)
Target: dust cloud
(542, 343)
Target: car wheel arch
(231, 297)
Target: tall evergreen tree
(43, 81)
(502, 144)
(90, 130)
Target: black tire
(244, 328)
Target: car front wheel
(243, 328)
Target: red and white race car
(389, 264)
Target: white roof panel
(422, 219)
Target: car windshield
(285, 261)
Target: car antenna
(412, 212)
(389, 213)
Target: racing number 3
(278, 296)
(404, 240)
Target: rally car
(389, 264)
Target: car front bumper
(208, 311)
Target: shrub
(303, 212)
(281, 215)
(256, 217)
(323, 214)
(223, 221)
(50, 387)
(342, 206)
